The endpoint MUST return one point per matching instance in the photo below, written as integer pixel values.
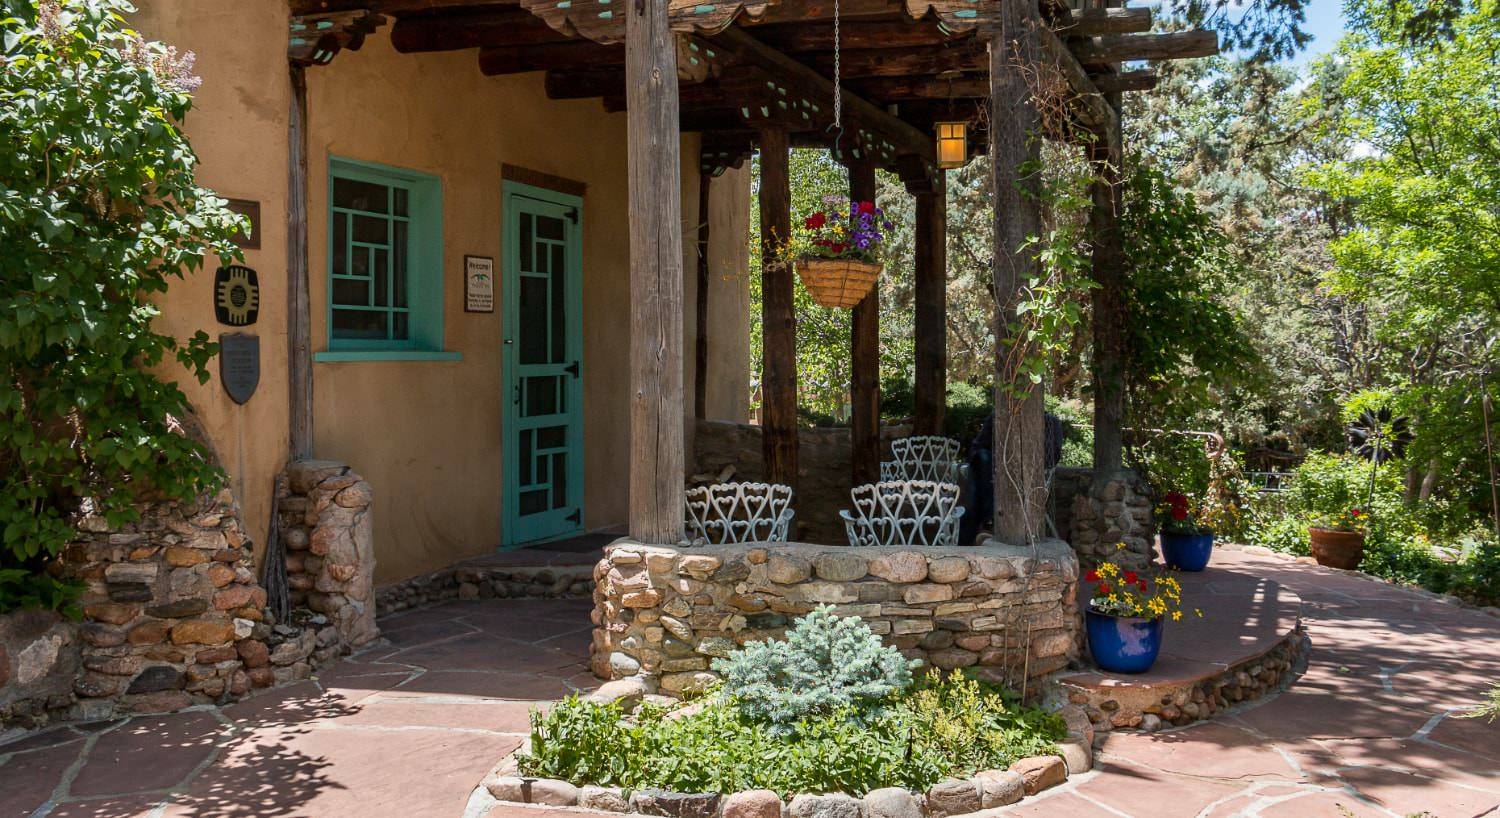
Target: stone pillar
(326, 527)
(1115, 510)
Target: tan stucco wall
(427, 435)
(238, 129)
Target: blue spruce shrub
(826, 664)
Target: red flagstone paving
(409, 727)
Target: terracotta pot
(838, 282)
(1337, 549)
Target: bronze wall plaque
(239, 364)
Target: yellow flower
(1176, 616)
(1119, 546)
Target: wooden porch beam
(853, 35)
(904, 62)
(1095, 22)
(1177, 45)
(1089, 102)
(657, 470)
(1142, 80)
(298, 309)
(484, 26)
(864, 353)
(778, 316)
(700, 311)
(1107, 368)
(931, 314)
(905, 138)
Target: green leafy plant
(945, 726)
(825, 663)
(98, 211)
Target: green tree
(98, 211)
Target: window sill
(347, 355)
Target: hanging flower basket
(838, 282)
(836, 251)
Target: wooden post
(931, 296)
(1108, 302)
(298, 311)
(864, 350)
(656, 416)
(778, 318)
(700, 367)
(1015, 143)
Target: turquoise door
(543, 378)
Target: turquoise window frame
(424, 267)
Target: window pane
(524, 458)
(552, 437)
(548, 227)
(377, 269)
(359, 324)
(533, 502)
(399, 260)
(400, 326)
(400, 194)
(340, 244)
(351, 293)
(559, 318)
(370, 229)
(532, 318)
(357, 195)
(359, 261)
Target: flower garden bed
(827, 723)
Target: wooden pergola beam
(1096, 22)
(903, 62)
(903, 137)
(1177, 45)
(1142, 80)
(1089, 101)
(484, 26)
(853, 35)
(864, 355)
(581, 54)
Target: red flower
(838, 248)
(1132, 577)
(1354, 512)
(1092, 576)
(1103, 588)
(866, 207)
(1141, 585)
(816, 221)
(1179, 513)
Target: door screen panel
(545, 425)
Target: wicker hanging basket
(838, 282)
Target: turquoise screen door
(543, 381)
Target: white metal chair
(906, 512)
(730, 513)
(924, 457)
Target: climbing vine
(98, 211)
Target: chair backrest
(726, 513)
(907, 512)
(931, 458)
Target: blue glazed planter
(1187, 552)
(1123, 644)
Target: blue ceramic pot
(1123, 644)
(1187, 552)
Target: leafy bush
(945, 727)
(98, 210)
(1402, 543)
(826, 663)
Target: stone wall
(726, 452)
(1095, 518)
(326, 525)
(663, 613)
(486, 582)
(174, 613)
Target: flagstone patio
(410, 727)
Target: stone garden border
(947, 799)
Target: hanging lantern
(952, 145)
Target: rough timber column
(1015, 142)
(778, 383)
(931, 296)
(1109, 319)
(299, 317)
(864, 350)
(656, 401)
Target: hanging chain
(838, 94)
